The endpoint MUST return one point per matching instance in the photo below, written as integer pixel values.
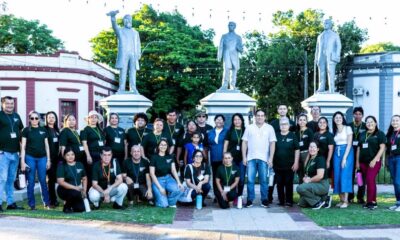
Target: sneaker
(339, 204)
(249, 204)
(14, 206)
(393, 208)
(67, 210)
(151, 202)
(172, 206)
(264, 203)
(33, 208)
(46, 207)
(344, 205)
(318, 205)
(373, 206)
(397, 209)
(116, 206)
(360, 201)
(366, 206)
(328, 202)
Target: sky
(75, 22)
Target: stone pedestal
(126, 105)
(329, 104)
(227, 102)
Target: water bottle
(359, 178)
(199, 201)
(86, 203)
(22, 180)
(271, 176)
(240, 202)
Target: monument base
(329, 103)
(126, 105)
(227, 102)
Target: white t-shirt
(258, 141)
(217, 132)
(341, 137)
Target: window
(68, 106)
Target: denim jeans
(38, 164)
(254, 166)
(394, 167)
(8, 172)
(242, 168)
(171, 187)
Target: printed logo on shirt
(145, 133)
(78, 170)
(202, 172)
(362, 130)
(233, 172)
(142, 169)
(289, 139)
(313, 163)
(120, 132)
(176, 130)
(112, 170)
(16, 119)
(305, 136)
(41, 133)
(322, 138)
(169, 160)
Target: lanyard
(302, 134)
(72, 173)
(115, 131)
(11, 120)
(76, 135)
(393, 139)
(106, 175)
(367, 136)
(157, 138)
(356, 129)
(228, 177)
(140, 137)
(309, 165)
(239, 136)
(97, 132)
(171, 133)
(136, 173)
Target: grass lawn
(141, 213)
(355, 215)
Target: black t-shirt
(234, 137)
(175, 132)
(275, 124)
(162, 164)
(150, 142)
(227, 175)
(305, 137)
(204, 135)
(54, 142)
(357, 130)
(313, 125)
(35, 141)
(94, 138)
(105, 175)
(10, 132)
(71, 174)
(136, 171)
(135, 136)
(369, 145)
(70, 138)
(314, 164)
(324, 140)
(285, 148)
(197, 172)
(115, 139)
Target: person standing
(327, 55)
(227, 180)
(191, 147)
(69, 137)
(393, 146)
(135, 135)
(216, 139)
(305, 136)
(258, 148)
(343, 159)
(72, 182)
(233, 144)
(151, 140)
(35, 158)
(53, 134)
(370, 149)
(315, 113)
(10, 135)
(203, 128)
(115, 139)
(286, 162)
(358, 127)
(175, 132)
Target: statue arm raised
(114, 21)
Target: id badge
(394, 147)
(301, 143)
(136, 186)
(173, 141)
(365, 145)
(55, 139)
(101, 143)
(237, 148)
(13, 135)
(200, 177)
(355, 143)
(227, 188)
(81, 148)
(117, 140)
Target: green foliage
(273, 66)
(380, 47)
(178, 66)
(18, 35)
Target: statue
(327, 55)
(229, 48)
(129, 51)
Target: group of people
(161, 164)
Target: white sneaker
(393, 208)
(112, 199)
(397, 209)
(172, 206)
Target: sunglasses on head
(34, 118)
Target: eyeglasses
(202, 116)
(198, 156)
(34, 118)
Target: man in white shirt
(258, 148)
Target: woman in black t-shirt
(197, 175)
(116, 139)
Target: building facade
(373, 82)
(63, 82)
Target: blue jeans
(8, 172)
(254, 166)
(394, 167)
(171, 187)
(242, 168)
(38, 164)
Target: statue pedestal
(126, 104)
(227, 102)
(329, 104)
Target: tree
(380, 47)
(178, 66)
(18, 35)
(273, 65)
